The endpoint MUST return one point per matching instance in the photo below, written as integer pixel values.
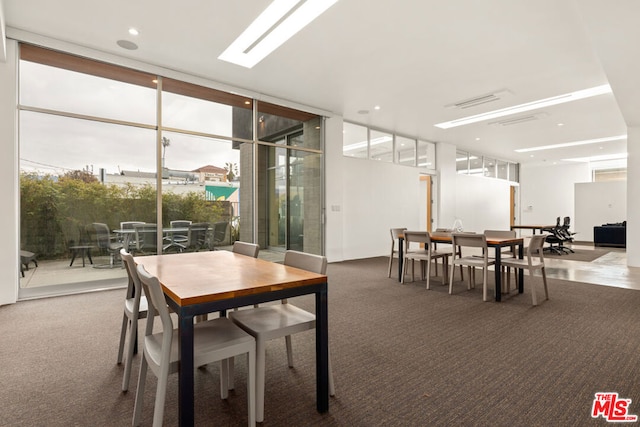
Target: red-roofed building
(211, 173)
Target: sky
(54, 144)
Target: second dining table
(493, 242)
(197, 283)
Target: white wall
(334, 183)
(482, 203)
(598, 203)
(547, 192)
(364, 199)
(9, 270)
(633, 199)
(446, 188)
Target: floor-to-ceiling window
(289, 196)
(97, 141)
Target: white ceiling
(412, 58)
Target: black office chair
(556, 237)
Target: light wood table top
(197, 277)
(202, 282)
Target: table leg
(400, 258)
(185, 382)
(521, 270)
(498, 275)
(73, 257)
(322, 352)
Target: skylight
(275, 25)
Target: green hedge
(55, 211)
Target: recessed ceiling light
(534, 105)
(377, 107)
(247, 102)
(477, 139)
(560, 124)
(274, 26)
(133, 31)
(126, 44)
(572, 144)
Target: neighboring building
(211, 173)
(208, 179)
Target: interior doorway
(426, 185)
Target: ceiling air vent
(479, 100)
(519, 119)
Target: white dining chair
(425, 255)
(214, 340)
(534, 261)
(460, 241)
(281, 320)
(135, 308)
(506, 252)
(245, 248)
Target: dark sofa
(611, 235)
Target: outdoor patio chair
(197, 236)
(106, 243)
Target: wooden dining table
(493, 242)
(532, 227)
(198, 283)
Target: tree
(232, 170)
(80, 175)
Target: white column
(633, 197)
(446, 163)
(9, 214)
(334, 186)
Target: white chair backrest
(536, 246)
(305, 261)
(469, 240)
(154, 294)
(248, 249)
(132, 273)
(417, 237)
(396, 232)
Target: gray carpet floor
(402, 356)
